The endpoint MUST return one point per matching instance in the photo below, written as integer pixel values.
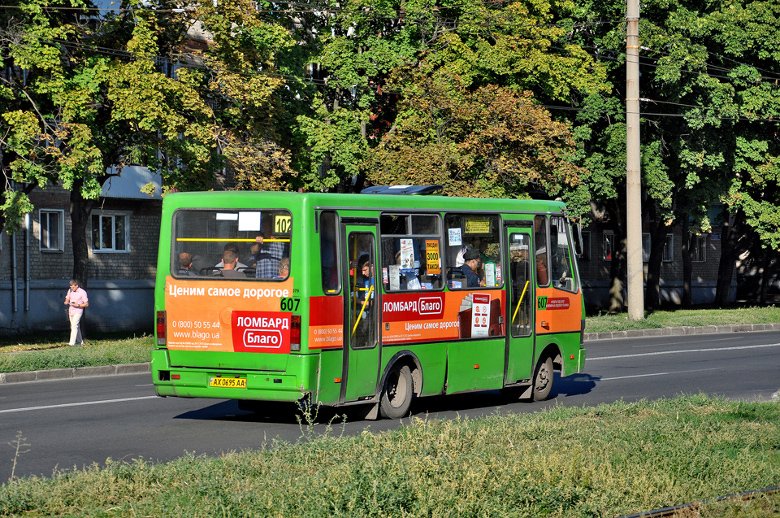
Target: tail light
(161, 327)
(295, 333)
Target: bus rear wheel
(543, 379)
(397, 393)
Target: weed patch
(607, 460)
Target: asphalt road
(78, 422)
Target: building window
(669, 248)
(110, 232)
(608, 245)
(698, 249)
(646, 246)
(52, 230)
(585, 246)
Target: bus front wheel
(543, 379)
(397, 393)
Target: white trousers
(75, 329)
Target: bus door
(520, 287)
(361, 305)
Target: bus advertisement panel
(415, 317)
(228, 316)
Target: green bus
(374, 298)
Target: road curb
(137, 368)
(681, 331)
(74, 372)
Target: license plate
(228, 382)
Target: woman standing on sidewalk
(76, 300)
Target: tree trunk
(764, 276)
(687, 298)
(617, 273)
(728, 240)
(653, 288)
(79, 216)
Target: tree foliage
(488, 99)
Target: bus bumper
(286, 386)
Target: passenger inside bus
(269, 253)
(230, 268)
(542, 277)
(470, 268)
(365, 279)
(232, 247)
(284, 268)
(185, 265)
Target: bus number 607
(290, 304)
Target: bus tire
(543, 379)
(397, 393)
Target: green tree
(709, 131)
(241, 81)
(84, 99)
(405, 82)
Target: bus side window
(541, 251)
(410, 252)
(329, 253)
(473, 251)
(561, 260)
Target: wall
(120, 284)
(595, 272)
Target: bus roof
(270, 199)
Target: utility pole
(635, 270)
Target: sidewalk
(682, 331)
(137, 368)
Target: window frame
(698, 243)
(437, 235)
(60, 230)
(113, 214)
(336, 243)
(227, 214)
(668, 252)
(554, 252)
(586, 240)
(496, 218)
(604, 235)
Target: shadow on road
(267, 412)
(575, 385)
(292, 413)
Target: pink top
(76, 297)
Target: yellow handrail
(363, 309)
(231, 240)
(519, 302)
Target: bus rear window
(231, 244)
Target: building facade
(599, 246)
(36, 262)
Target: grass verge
(29, 355)
(599, 461)
(683, 318)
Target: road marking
(82, 403)
(682, 351)
(656, 374)
(705, 338)
(636, 376)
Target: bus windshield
(231, 244)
